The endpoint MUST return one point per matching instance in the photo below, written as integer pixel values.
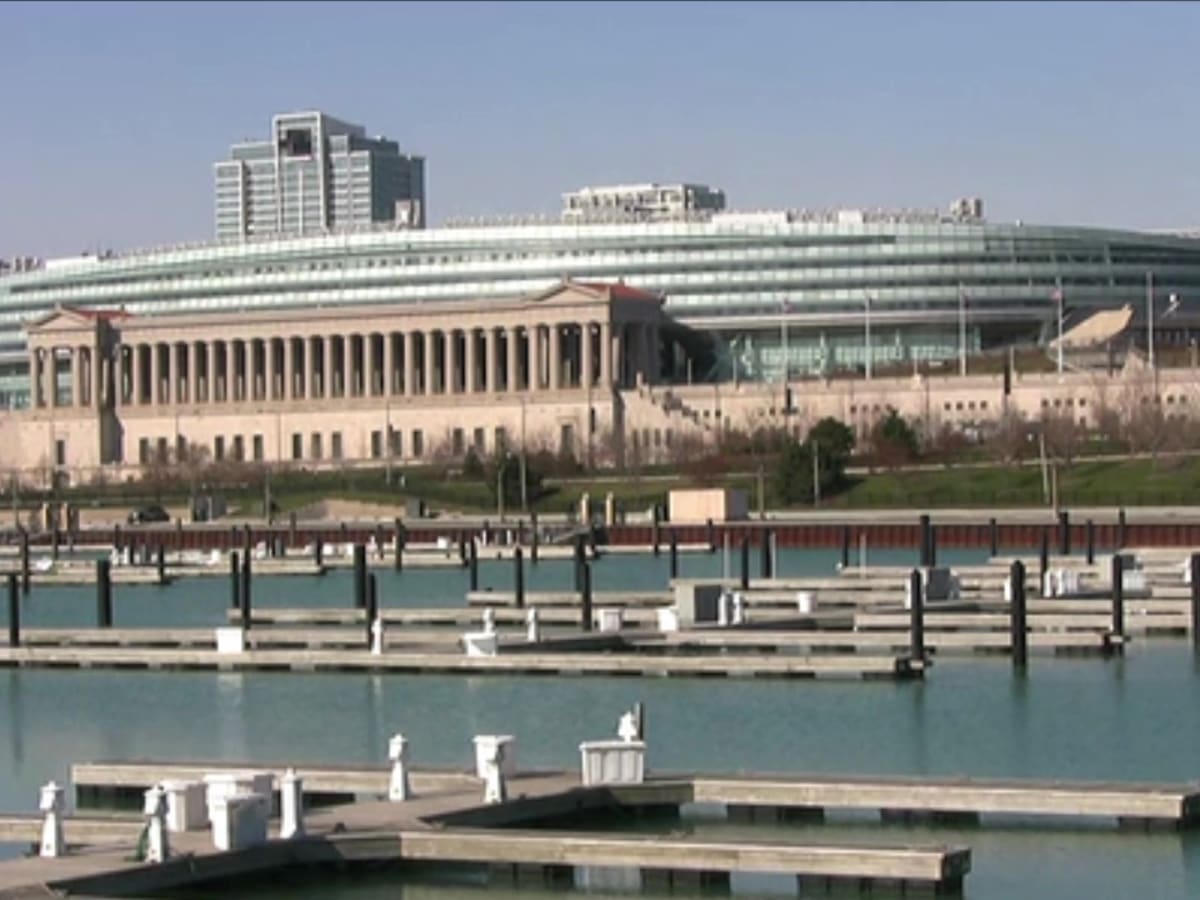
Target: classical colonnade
(148, 370)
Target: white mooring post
(291, 805)
(533, 630)
(155, 810)
(489, 621)
(399, 788)
(491, 757)
(51, 805)
(377, 636)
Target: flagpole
(1058, 293)
(1150, 315)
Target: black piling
(1194, 562)
(24, 562)
(518, 578)
(1064, 533)
(533, 538)
(925, 557)
(993, 537)
(104, 610)
(360, 576)
(745, 563)
(845, 546)
(117, 538)
(473, 567)
(318, 550)
(580, 562)
(1121, 528)
(1118, 594)
(462, 549)
(711, 533)
(585, 606)
(14, 612)
(674, 554)
(1043, 562)
(917, 610)
(379, 551)
(764, 555)
(235, 574)
(372, 606)
(54, 541)
(161, 563)
(1019, 633)
(401, 540)
(654, 530)
(1091, 541)
(244, 597)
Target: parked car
(146, 514)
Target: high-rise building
(316, 174)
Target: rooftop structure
(641, 202)
(316, 174)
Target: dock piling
(379, 541)
(993, 537)
(926, 539)
(1064, 533)
(845, 546)
(1044, 564)
(373, 608)
(1121, 528)
(14, 612)
(360, 576)
(518, 578)
(104, 593)
(54, 540)
(654, 529)
(401, 540)
(764, 555)
(318, 550)
(674, 555)
(24, 562)
(745, 577)
(1193, 562)
(473, 566)
(579, 563)
(533, 538)
(1118, 594)
(917, 610)
(161, 563)
(235, 601)
(711, 532)
(1017, 621)
(244, 596)
(462, 548)
(585, 612)
(1091, 542)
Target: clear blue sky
(1061, 113)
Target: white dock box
(613, 762)
(240, 820)
(187, 805)
(508, 744)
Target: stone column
(514, 342)
(585, 355)
(471, 362)
(155, 374)
(556, 361)
(288, 388)
(347, 365)
(427, 337)
(410, 363)
(171, 395)
(389, 364)
(326, 367)
(230, 372)
(535, 358)
(76, 376)
(489, 360)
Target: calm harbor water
(1136, 718)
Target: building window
(566, 439)
(314, 442)
(501, 439)
(456, 442)
(396, 442)
(218, 448)
(239, 449)
(376, 444)
(335, 445)
(60, 452)
(477, 441)
(162, 450)
(297, 445)
(258, 448)
(418, 443)
(144, 451)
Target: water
(1136, 718)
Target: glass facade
(757, 287)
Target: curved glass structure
(767, 286)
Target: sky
(1071, 113)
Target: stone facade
(586, 368)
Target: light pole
(1058, 297)
(867, 333)
(962, 330)
(1150, 317)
